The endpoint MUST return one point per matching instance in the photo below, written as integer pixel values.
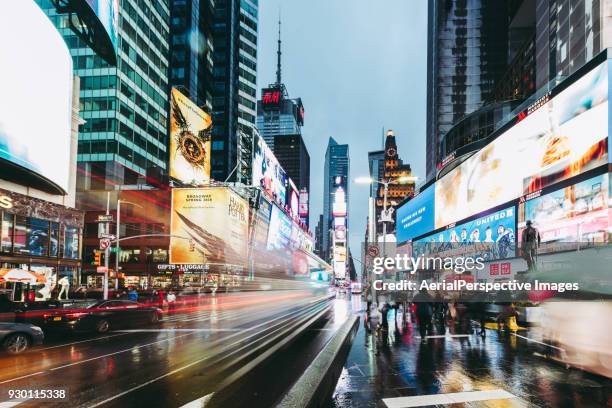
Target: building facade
(335, 194)
(234, 88)
(468, 45)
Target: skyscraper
(335, 194)
(124, 108)
(234, 88)
(467, 52)
(280, 120)
(191, 51)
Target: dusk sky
(358, 67)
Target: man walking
(530, 241)
(424, 311)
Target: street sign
(104, 243)
(110, 237)
(373, 250)
(105, 218)
(101, 269)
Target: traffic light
(97, 256)
(191, 245)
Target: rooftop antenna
(278, 53)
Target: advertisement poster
(579, 213)
(267, 172)
(416, 217)
(490, 237)
(262, 223)
(190, 140)
(209, 226)
(566, 136)
(279, 236)
(36, 110)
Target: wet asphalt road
(189, 356)
(504, 365)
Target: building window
(71, 243)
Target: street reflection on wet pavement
(500, 370)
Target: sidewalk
(500, 370)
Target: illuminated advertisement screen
(566, 136)
(491, 237)
(260, 235)
(208, 225)
(577, 213)
(303, 206)
(271, 98)
(416, 217)
(36, 107)
(267, 172)
(339, 204)
(279, 236)
(190, 134)
(107, 12)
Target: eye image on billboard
(579, 213)
(209, 225)
(565, 137)
(267, 172)
(36, 107)
(491, 237)
(190, 135)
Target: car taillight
(75, 315)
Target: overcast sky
(359, 66)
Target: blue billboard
(416, 217)
(279, 235)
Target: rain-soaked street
(458, 370)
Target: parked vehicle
(18, 337)
(102, 316)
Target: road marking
(12, 403)
(177, 330)
(22, 377)
(451, 398)
(200, 402)
(539, 342)
(444, 336)
(117, 352)
(81, 341)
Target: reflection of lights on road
(341, 311)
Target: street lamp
(119, 201)
(385, 184)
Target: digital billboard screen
(208, 225)
(279, 236)
(267, 171)
(416, 217)
(566, 136)
(577, 213)
(190, 135)
(491, 237)
(36, 108)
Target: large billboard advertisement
(190, 135)
(491, 237)
(208, 226)
(566, 136)
(267, 172)
(36, 107)
(107, 12)
(416, 217)
(279, 237)
(579, 213)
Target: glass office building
(124, 107)
(336, 177)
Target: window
(71, 242)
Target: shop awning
(21, 275)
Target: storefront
(41, 237)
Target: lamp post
(385, 184)
(119, 201)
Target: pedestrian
(530, 241)
(385, 318)
(133, 294)
(171, 299)
(507, 317)
(373, 322)
(424, 312)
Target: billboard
(267, 172)
(208, 225)
(491, 237)
(279, 236)
(416, 217)
(271, 98)
(190, 134)
(577, 213)
(566, 136)
(107, 12)
(36, 110)
(339, 204)
(303, 207)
